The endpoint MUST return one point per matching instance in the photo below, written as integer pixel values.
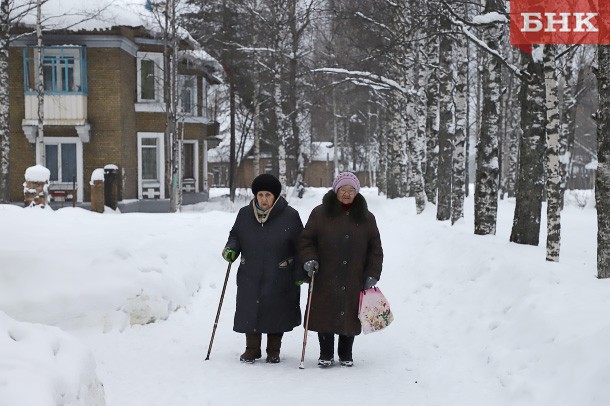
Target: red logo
(559, 22)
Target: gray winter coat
(268, 300)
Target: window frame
(64, 184)
(182, 80)
(157, 59)
(160, 182)
(56, 57)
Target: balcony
(59, 109)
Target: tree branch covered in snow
(485, 20)
(370, 78)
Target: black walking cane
(302, 365)
(222, 295)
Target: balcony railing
(59, 109)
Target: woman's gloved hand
(229, 254)
(370, 282)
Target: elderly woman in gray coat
(265, 234)
(342, 246)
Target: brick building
(104, 104)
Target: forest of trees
(412, 92)
(404, 90)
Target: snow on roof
(87, 15)
(322, 151)
(77, 15)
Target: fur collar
(332, 206)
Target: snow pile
(37, 173)
(478, 320)
(42, 365)
(105, 272)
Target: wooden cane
(222, 295)
(302, 365)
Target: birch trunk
(5, 145)
(40, 150)
(602, 178)
(513, 135)
(530, 182)
(447, 124)
(417, 139)
(395, 153)
(553, 169)
(256, 128)
(281, 126)
(487, 173)
(432, 125)
(459, 158)
(382, 168)
(568, 119)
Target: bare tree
(447, 122)
(487, 174)
(11, 13)
(530, 182)
(461, 100)
(602, 179)
(553, 174)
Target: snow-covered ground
(478, 320)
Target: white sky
(478, 320)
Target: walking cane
(302, 365)
(222, 295)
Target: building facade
(104, 105)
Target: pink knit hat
(346, 178)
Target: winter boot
(344, 349)
(253, 348)
(327, 349)
(274, 343)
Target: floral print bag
(374, 310)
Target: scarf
(259, 214)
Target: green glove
(229, 254)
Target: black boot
(327, 349)
(274, 343)
(253, 348)
(344, 349)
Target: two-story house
(104, 104)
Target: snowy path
(478, 320)
(163, 364)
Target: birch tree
(418, 143)
(432, 119)
(459, 157)
(553, 169)
(530, 180)
(602, 178)
(487, 173)
(447, 122)
(11, 14)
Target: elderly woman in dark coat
(342, 246)
(266, 234)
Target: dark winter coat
(267, 297)
(347, 246)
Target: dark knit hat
(267, 182)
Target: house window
(150, 159)
(189, 161)
(63, 69)
(151, 166)
(190, 165)
(64, 159)
(187, 88)
(60, 159)
(150, 77)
